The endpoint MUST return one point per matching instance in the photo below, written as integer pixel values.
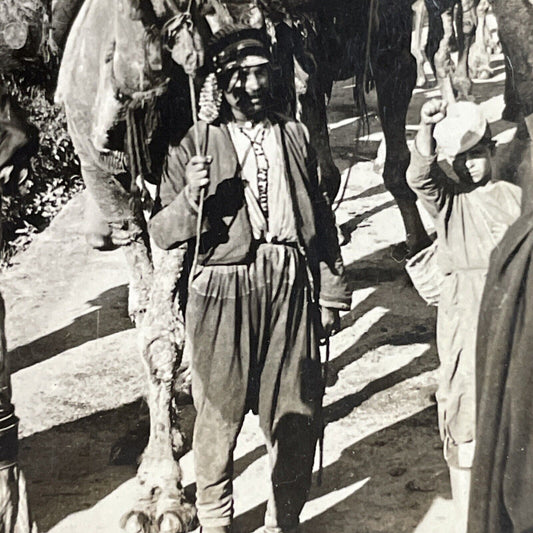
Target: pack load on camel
(124, 86)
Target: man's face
(248, 90)
(475, 164)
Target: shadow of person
(107, 319)
(67, 465)
(404, 472)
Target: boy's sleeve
(334, 292)
(428, 181)
(176, 222)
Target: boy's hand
(197, 175)
(433, 112)
(330, 321)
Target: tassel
(210, 100)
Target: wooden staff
(192, 92)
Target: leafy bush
(55, 173)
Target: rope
(325, 369)
(363, 125)
(372, 12)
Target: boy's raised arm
(424, 176)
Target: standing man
(269, 282)
(18, 140)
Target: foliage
(55, 175)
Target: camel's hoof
(176, 517)
(136, 522)
(171, 523)
(421, 82)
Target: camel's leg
(442, 58)
(313, 115)
(512, 110)
(395, 76)
(162, 341)
(419, 11)
(479, 57)
(466, 30)
(115, 219)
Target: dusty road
(77, 376)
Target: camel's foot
(161, 512)
(479, 63)
(417, 237)
(343, 237)
(415, 244)
(483, 74)
(421, 81)
(175, 515)
(136, 522)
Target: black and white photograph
(266, 266)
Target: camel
(467, 22)
(124, 69)
(481, 47)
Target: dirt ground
(77, 376)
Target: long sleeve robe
(470, 221)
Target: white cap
(462, 128)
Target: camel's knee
(394, 177)
(104, 234)
(97, 230)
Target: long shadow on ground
(109, 318)
(407, 320)
(367, 193)
(405, 470)
(73, 473)
(351, 225)
(404, 461)
(67, 466)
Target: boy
(269, 271)
(471, 216)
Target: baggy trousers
(253, 338)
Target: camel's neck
(138, 54)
